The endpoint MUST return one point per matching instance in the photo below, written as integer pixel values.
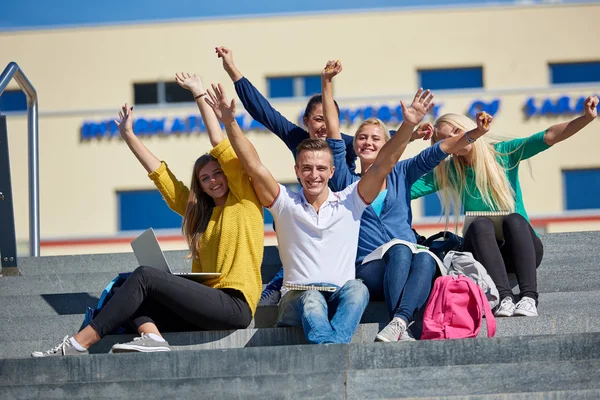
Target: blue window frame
(13, 100)
(293, 86)
(582, 189)
(451, 78)
(432, 206)
(575, 72)
(141, 209)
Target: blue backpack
(107, 293)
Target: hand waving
(226, 55)
(125, 121)
(332, 68)
(483, 120)
(422, 103)
(193, 83)
(591, 107)
(424, 131)
(224, 110)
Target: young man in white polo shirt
(317, 229)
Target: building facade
(529, 65)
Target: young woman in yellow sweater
(224, 228)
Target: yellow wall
(85, 74)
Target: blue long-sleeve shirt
(292, 135)
(396, 215)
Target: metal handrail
(14, 71)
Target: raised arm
(265, 186)
(372, 180)
(193, 83)
(558, 133)
(458, 142)
(228, 65)
(332, 119)
(141, 152)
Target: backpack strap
(490, 320)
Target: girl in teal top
(484, 177)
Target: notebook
(148, 253)
(320, 288)
(497, 217)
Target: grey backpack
(463, 263)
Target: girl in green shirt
(484, 177)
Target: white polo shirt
(318, 247)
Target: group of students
(327, 229)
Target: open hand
(424, 131)
(483, 120)
(224, 110)
(125, 121)
(422, 103)
(332, 68)
(591, 107)
(193, 83)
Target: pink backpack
(454, 310)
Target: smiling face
(315, 123)
(368, 141)
(445, 131)
(314, 169)
(213, 181)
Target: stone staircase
(553, 356)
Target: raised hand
(422, 103)
(332, 68)
(483, 120)
(224, 110)
(591, 107)
(193, 83)
(125, 121)
(424, 131)
(227, 56)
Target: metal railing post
(13, 70)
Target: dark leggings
(520, 253)
(173, 303)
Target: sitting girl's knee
(480, 225)
(515, 220)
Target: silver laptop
(148, 253)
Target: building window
(13, 100)
(432, 206)
(451, 78)
(293, 86)
(160, 93)
(142, 209)
(576, 72)
(145, 93)
(582, 189)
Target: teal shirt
(377, 204)
(511, 154)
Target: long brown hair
(199, 209)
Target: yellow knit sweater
(234, 238)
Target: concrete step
(21, 335)
(480, 379)
(416, 369)
(122, 262)
(554, 395)
(75, 303)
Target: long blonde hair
(490, 176)
(199, 209)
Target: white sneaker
(526, 307)
(506, 308)
(394, 331)
(407, 336)
(269, 297)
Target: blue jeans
(326, 317)
(276, 282)
(403, 280)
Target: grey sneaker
(407, 335)
(393, 332)
(144, 344)
(506, 308)
(526, 308)
(63, 349)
